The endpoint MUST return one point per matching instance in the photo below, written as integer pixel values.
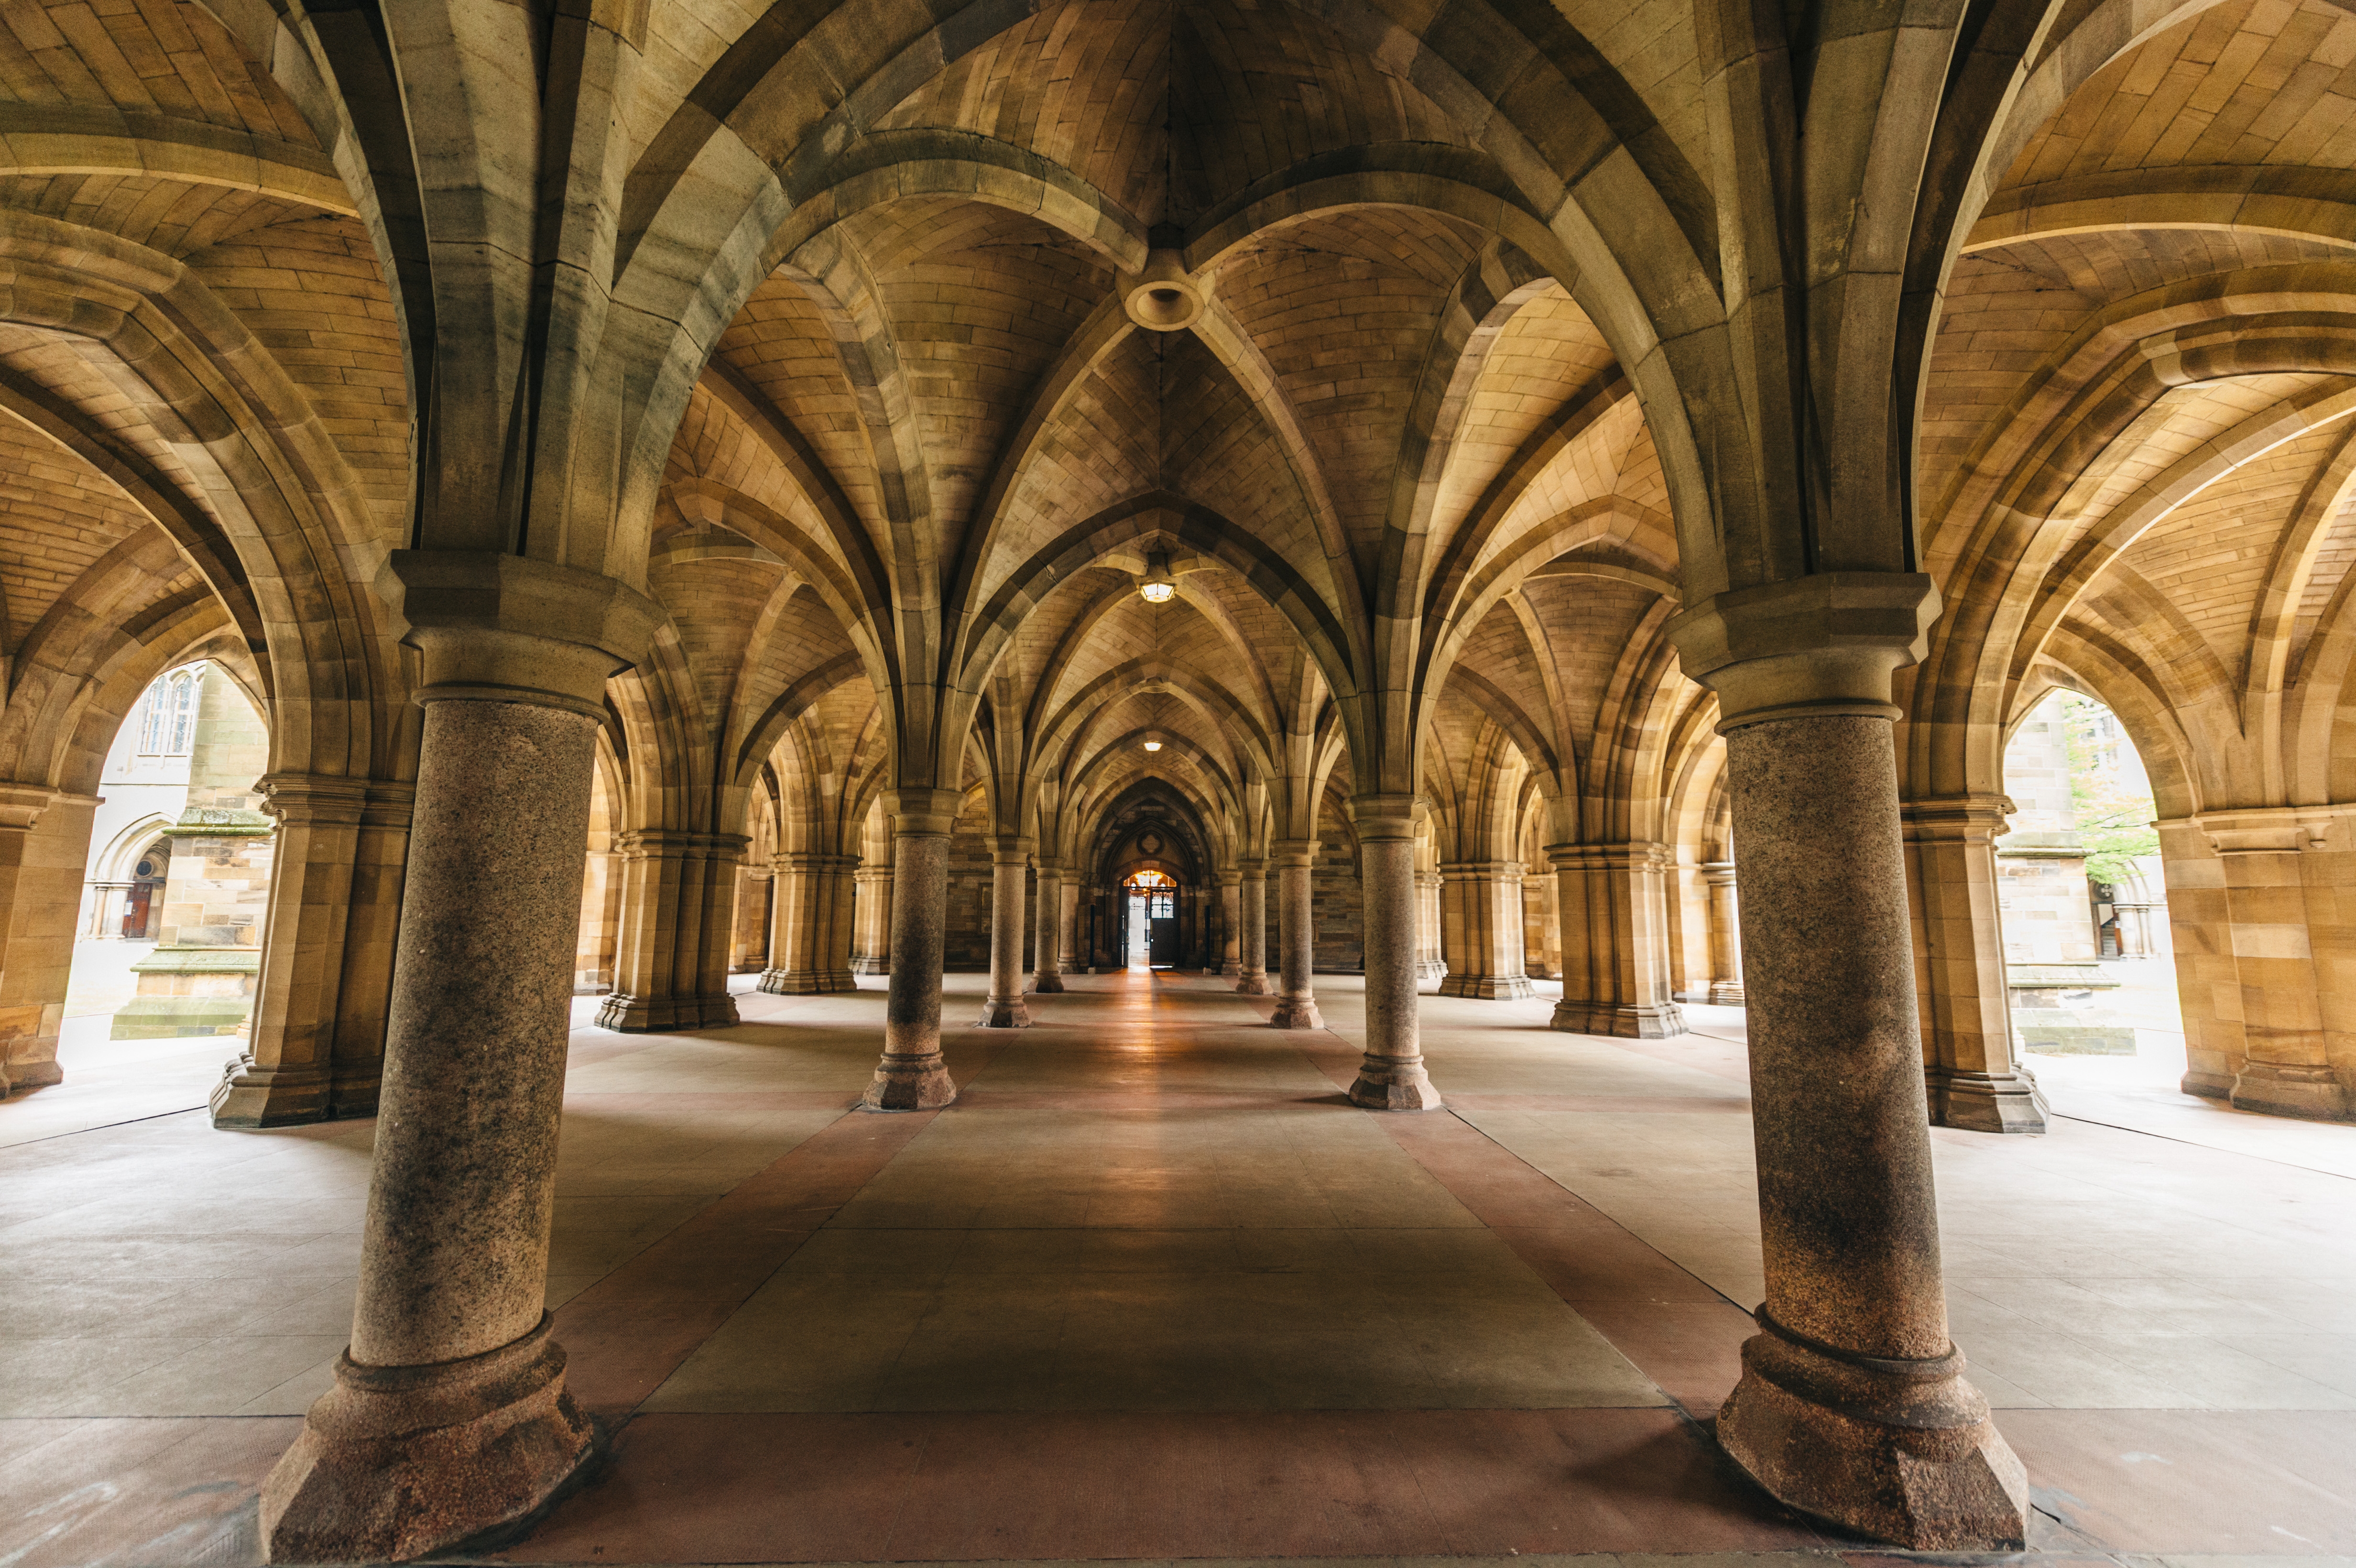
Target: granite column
(1392, 1075)
(449, 1416)
(911, 1077)
(1296, 936)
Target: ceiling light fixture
(1157, 587)
(1153, 745)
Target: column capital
(1231, 876)
(325, 799)
(1951, 816)
(1636, 854)
(21, 805)
(1251, 869)
(1293, 851)
(495, 627)
(1010, 850)
(921, 813)
(1809, 647)
(2276, 830)
(1377, 816)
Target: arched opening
(175, 890)
(1149, 920)
(2083, 903)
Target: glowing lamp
(1157, 587)
(1153, 745)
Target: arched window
(168, 729)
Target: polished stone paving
(1152, 1290)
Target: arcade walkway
(1152, 1290)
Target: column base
(2314, 1093)
(1726, 994)
(1489, 987)
(1252, 985)
(24, 1077)
(397, 1462)
(1657, 1021)
(1430, 969)
(909, 1084)
(1047, 983)
(1231, 969)
(1903, 1451)
(252, 1096)
(1393, 1084)
(805, 982)
(1003, 1012)
(871, 966)
(665, 1015)
(1295, 1012)
(1984, 1103)
(2207, 1085)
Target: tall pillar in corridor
(1971, 1075)
(2286, 887)
(678, 910)
(1724, 934)
(449, 1414)
(1391, 1076)
(911, 1077)
(1251, 904)
(44, 844)
(1614, 902)
(1231, 960)
(1296, 936)
(749, 950)
(1009, 861)
(871, 951)
(1047, 975)
(1431, 960)
(1481, 927)
(810, 927)
(1853, 1404)
(316, 1046)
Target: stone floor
(1152, 1290)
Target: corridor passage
(1152, 1289)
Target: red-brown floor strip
(875, 1488)
(1678, 1330)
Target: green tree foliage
(2112, 815)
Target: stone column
(1231, 959)
(1296, 936)
(871, 951)
(810, 928)
(1430, 941)
(679, 906)
(1391, 1077)
(1971, 1070)
(1853, 1406)
(1615, 969)
(316, 1048)
(1541, 933)
(911, 1077)
(1724, 934)
(601, 921)
(449, 1414)
(2276, 863)
(1251, 905)
(1479, 910)
(749, 949)
(1004, 1007)
(1068, 921)
(1046, 935)
(44, 846)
